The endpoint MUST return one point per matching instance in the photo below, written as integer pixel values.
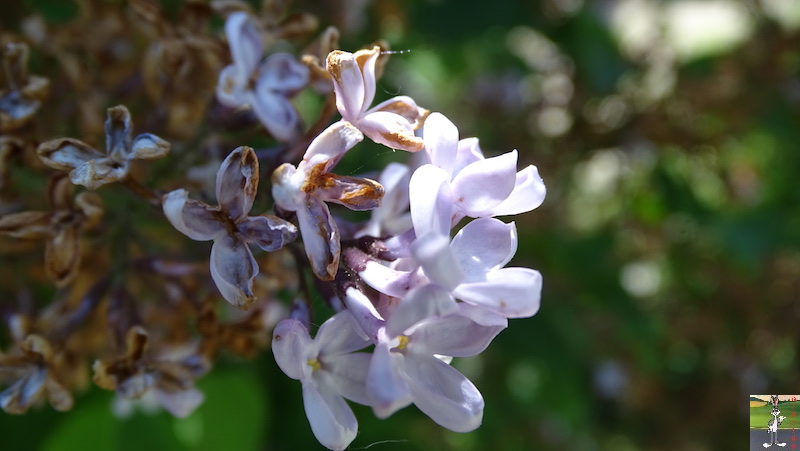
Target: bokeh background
(668, 135)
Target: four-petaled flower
(169, 377)
(60, 227)
(330, 370)
(264, 86)
(392, 122)
(233, 266)
(305, 189)
(92, 168)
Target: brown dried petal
(37, 88)
(59, 192)
(91, 205)
(237, 182)
(66, 153)
(37, 348)
(118, 128)
(96, 173)
(18, 398)
(148, 146)
(352, 192)
(60, 398)
(62, 256)
(27, 224)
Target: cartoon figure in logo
(772, 426)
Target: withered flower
(25, 93)
(181, 64)
(230, 226)
(34, 367)
(169, 376)
(61, 227)
(92, 168)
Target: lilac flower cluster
(431, 296)
(423, 280)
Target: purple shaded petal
(331, 419)
(433, 253)
(232, 87)
(180, 403)
(340, 335)
(118, 129)
(431, 200)
(233, 269)
(270, 233)
(388, 389)
(245, 43)
(385, 279)
(287, 187)
(364, 313)
(485, 184)
(281, 72)
(389, 217)
(529, 192)
(348, 375)
(421, 303)
(441, 141)
(468, 152)
(276, 113)
(290, 346)
(444, 394)
(482, 315)
(329, 146)
(194, 219)
(147, 147)
(320, 237)
(237, 182)
(482, 245)
(511, 292)
(453, 335)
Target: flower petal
(529, 192)
(391, 130)
(484, 184)
(269, 232)
(348, 84)
(290, 345)
(483, 245)
(339, 335)
(331, 419)
(364, 313)
(118, 133)
(233, 269)
(282, 73)
(329, 146)
(277, 114)
(355, 193)
(347, 374)
(194, 219)
(237, 182)
(433, 253)
(98, 172)
(511, 292)
(403, 106)
(386, 382)
(148, 146)
(421, 303)
(431, 200)
(453, 335)
(444, 394)
(245, 43)
(320, 237)
(66, 153)
(385, 279)
(468, 152)
(180, 403)
(62, 256)
(441, 141)
(27, 224)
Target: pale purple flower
(92, 168)
(305, 189)
(330, 370)
(263, 85)
(479, 187)
(233, 267)
(392, 122)
(409, 368)
(469, 268)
